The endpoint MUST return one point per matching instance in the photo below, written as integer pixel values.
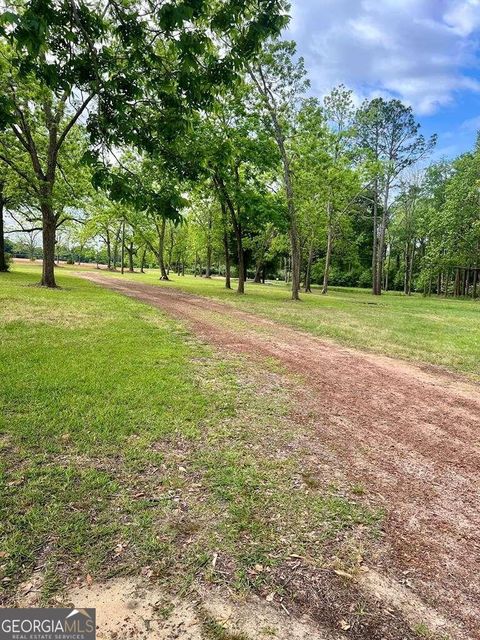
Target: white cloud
(464, 17)
(417, 50)
(472, 124)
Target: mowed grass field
(430, 330)
(127, 446)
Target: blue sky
(426, 52)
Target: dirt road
(409, 436)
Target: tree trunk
(48, 237)
(447, 282)
(381, 246)
(208, 268)
(170, 249)
(122, 267)
(406, 269)
(292, 215)
(308, 270)
(287, 175)
(410, 270)
(228, 284)
(161, 244)
(49, 230)
(142, 260)
(3, 259)
(374, 244)
(227, 203)
(109, 251)
(115, 247)
(328, 256)
(295, 245)
(241, 258)
(260, 262)
(380, 258)
(130, 257)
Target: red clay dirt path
(409, 437)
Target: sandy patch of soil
(127, 608)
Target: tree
(407, 222)
(3, 202)
(9, 194)
(204, 214)
(119, 65)
(21, 188)
(103, 222)
(147, 202)
(342, 180)
(241, 161)
(310, 162)
(41, 120)
(327, 178)
(262, 244)
(388, 134)
(438, 250)
(453, 226)
(280, 81)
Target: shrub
(8, 260)
(365, 279)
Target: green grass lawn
(427, 330)
(128, 446)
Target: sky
(425, 52)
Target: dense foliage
(180, 135)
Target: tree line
(181, 135)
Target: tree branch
(22, 230)
(73, 120)
(20, 172)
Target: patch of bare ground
(138, 609)
(406, 436)
(127, 608)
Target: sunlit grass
(125, 443)
(431, 330)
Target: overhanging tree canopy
(133, 70)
